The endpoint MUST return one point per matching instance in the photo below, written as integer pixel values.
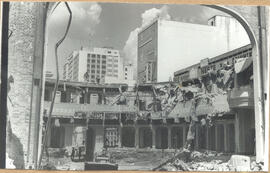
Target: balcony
(242, 97)
(70, 109)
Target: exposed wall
(23, 24)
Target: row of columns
(154, 135)
(217, 142)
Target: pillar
(184, 135)
(35, 137)
(197, 138)
(137, 136)
(226, 148)
(120, 136)
(153, 137)
(169, 137)
(216, 137)
(207, 138)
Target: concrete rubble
(212, 161)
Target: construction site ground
(147, 159)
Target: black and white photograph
(134, 86)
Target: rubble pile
(144, 158)
(200, 161)
(211, 161)
(62, 163)
(256, 166)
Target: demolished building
(157, 115)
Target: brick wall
(20, 66)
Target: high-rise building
(128, 72)
(92, 65)
(166, 46)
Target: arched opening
(215, 142)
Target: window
(88, 55)
(98, 66)
(125, 78)
(126, 69)
(92, 76)
(93, 61)
(98, 71)
(98, 61)
(104, 62)
(103, 66)
(111, 137)
(103, 56)
(109, 52)
(103, 72)
(98, 56)
(92, 71)
(126, 74)
(93, 56)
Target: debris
(240, 163)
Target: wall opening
(128, 137)
(145, 139)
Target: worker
(72, 153)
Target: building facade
(240, 95)
(92, 65)
(215, 63)
(163, 43)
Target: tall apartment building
(166, 46)
(92, 65)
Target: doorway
(90, 144)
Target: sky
(113, 25)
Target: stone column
(120, 136)
(207, 138)
(237, 134)
(169, 137)
(197, 138)
(216, 137)
(184, 134)
(153, 137)
(137, 136)
(226, 148)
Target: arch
(257, 75)
(259, 110)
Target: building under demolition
(218, 96)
